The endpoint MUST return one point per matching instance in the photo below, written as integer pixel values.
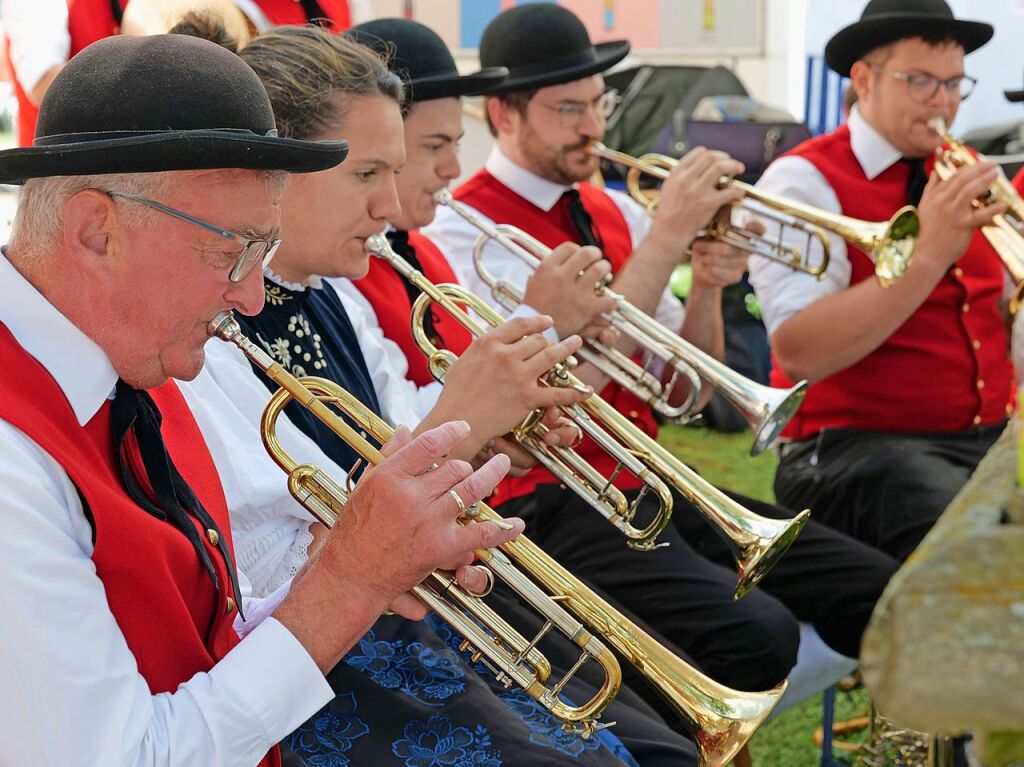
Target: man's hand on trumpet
(690, 197)
(400, 523)
(563, 287)
(494, 384)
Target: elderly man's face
(171, 277)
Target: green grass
(724, 459)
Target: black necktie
(581, 220)
(400, 244)
(917, 180)
(133, 413)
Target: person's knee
(761, 645)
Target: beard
(551, 162)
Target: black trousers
(886, 489)
(684, 591)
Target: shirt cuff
(271, 672)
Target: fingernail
(503, 524)
(461, 427)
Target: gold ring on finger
(464, 511)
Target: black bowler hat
(886, 21)
(1014, 95)
(424, 62)
(163, 102)
(544, 44)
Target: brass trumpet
(563, 462)
(1006, 232)
(720, 719)
(756, 542)
(889, 244)
(766, 409)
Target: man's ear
(89, 227)
(860, 78)
(504, 116)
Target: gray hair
(39, 221)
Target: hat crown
(936, 8)
(531, 34)
(131, 85)
(416, 50)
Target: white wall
(997, 66)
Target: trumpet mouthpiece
(442, 197)
(938, 125)
(224, 326)
(376, 243)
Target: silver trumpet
(766, 409)
(755, 542)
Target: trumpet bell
(893, 251)
(770, 411)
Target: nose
(383, 204)
(449, 168)
(592, 124)
(247, 296)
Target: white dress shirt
(37, 31)
(781, 291)
(456, 237)
(72, 693)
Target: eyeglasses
(254, 251)
(571, 113)
(923, 88)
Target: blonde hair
(306, 69)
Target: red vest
(502, 205)
(88, 21)
(279, 12)
(173, 620)
(385, 291)
(1018, 181)
(947, 367)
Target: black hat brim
(447, 86)
(72, 155)
(546, 74)
(1014, 96)
(850, 44)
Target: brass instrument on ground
(721, 720)
(756, 542)
(889, 244)
(767, 409)
(1006, 232)
(563, 462)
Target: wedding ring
(490, 584)
(458, 502)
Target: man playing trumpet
(123, 608)
(910, 384)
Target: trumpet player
(909, 384)
(685, 590)
(128, 632)
(402, 689)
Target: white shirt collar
(81, 368)
(874, 153)
(539, 191)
